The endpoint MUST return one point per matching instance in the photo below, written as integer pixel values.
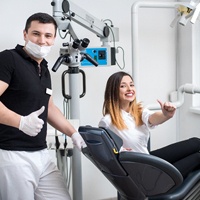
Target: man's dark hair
(42, 18)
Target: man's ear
(24, 33)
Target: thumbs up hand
(32, 124)
(168, 109)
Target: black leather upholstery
(136, 176)
(188, 190)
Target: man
(26, 105)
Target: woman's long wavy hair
(111, 103)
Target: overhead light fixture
(187, 11)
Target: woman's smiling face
(126, 91)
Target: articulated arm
(65, 11)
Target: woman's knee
(195, 141)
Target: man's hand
(78, 140)
(32, 124)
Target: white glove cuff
(21, 123)
(78, 140)
(75, 136)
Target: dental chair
(137, 176)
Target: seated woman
(130, 121)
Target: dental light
(187, 11)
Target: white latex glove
(78, 140)
(32, 124)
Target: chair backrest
(103, 151)
(134, 175)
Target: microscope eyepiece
(76, 43)
(85, 42)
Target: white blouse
(134, 138)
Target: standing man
(26, 105)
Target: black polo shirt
(27, 92)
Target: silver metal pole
(74, 89)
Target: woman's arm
(167, 112)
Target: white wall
(188, 41)
(157, 68)
(157, 65)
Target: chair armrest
(153, 175)
(189, 186)
(153, 161)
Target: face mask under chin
(36, 50)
